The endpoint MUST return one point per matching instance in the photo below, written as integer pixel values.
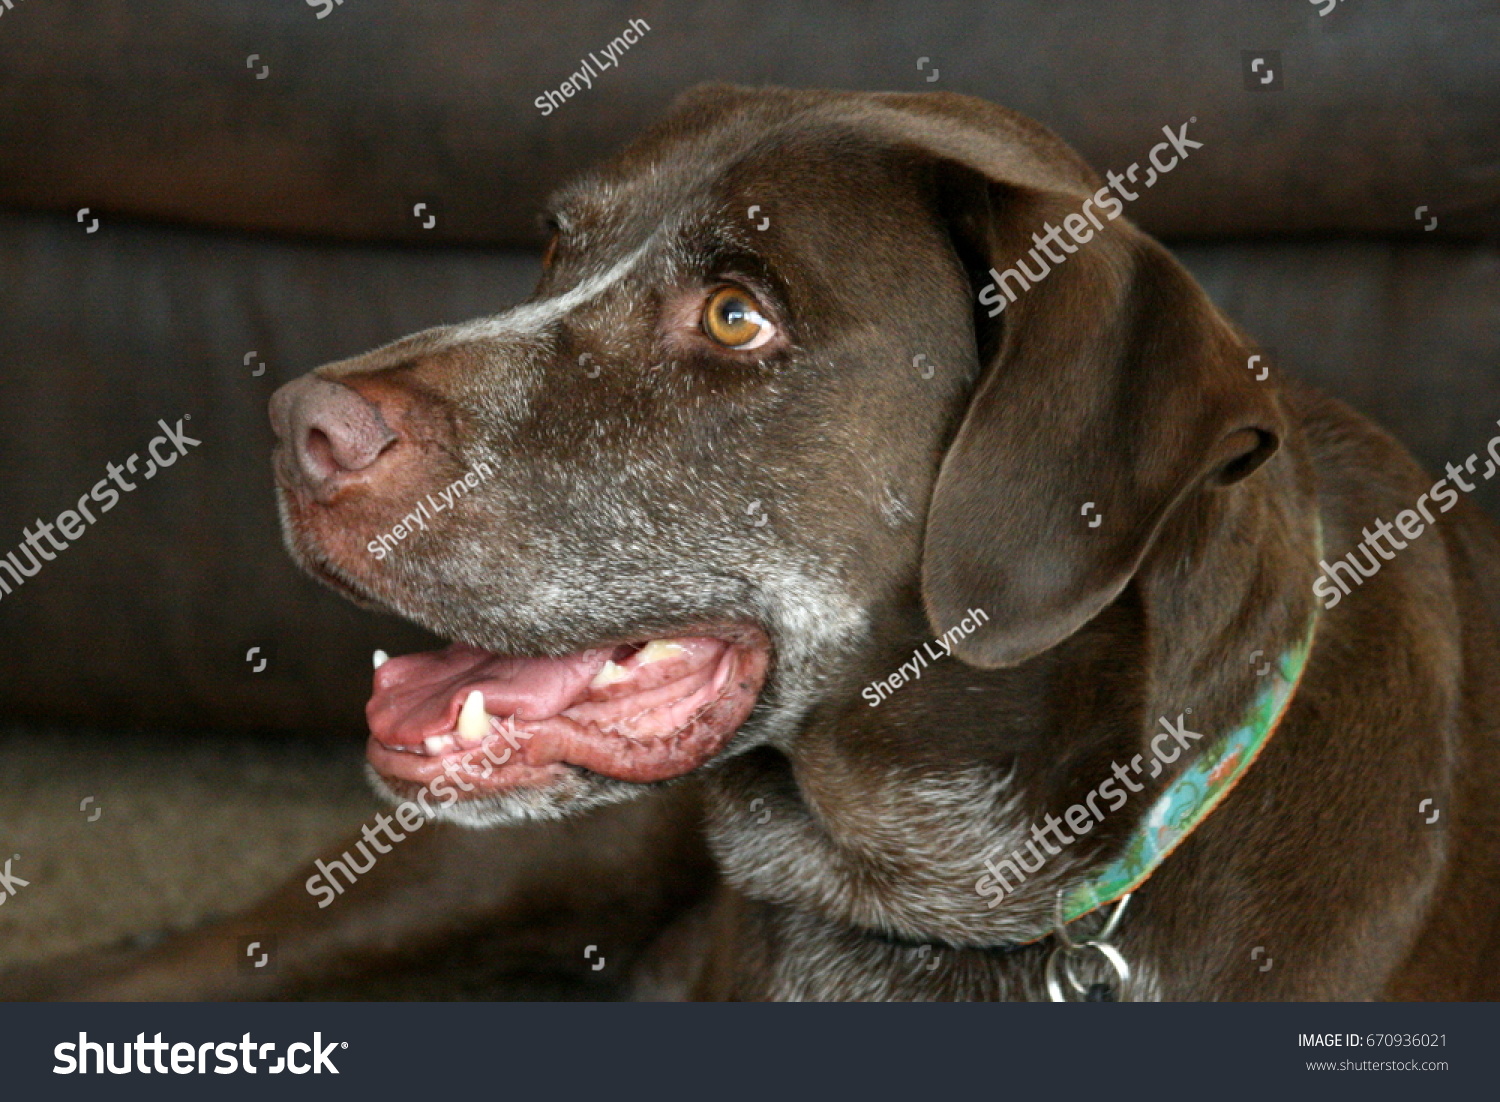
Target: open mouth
(639, 712)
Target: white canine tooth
(658, 649)
(436, 745)
(608, 674)
(473, 720)
(381, 658)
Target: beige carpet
(190, 826)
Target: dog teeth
(659, 649)
(608, 674)
(473, 720)
(438, 745)
(380, 658)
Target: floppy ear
(1110, 390)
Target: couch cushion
(156, 110)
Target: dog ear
(1109, 391)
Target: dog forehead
(784, 202)
(678, 195)
(712, 127)
(718, 151)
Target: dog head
(762, 389)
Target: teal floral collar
(1194, 795)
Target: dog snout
(331, 434)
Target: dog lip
(662, 709)
(320, 572)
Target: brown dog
(797, 478)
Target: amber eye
(734, 319)
(550, 251)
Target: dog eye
(551, 250)
(733, 318)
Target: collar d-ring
(1067, 953)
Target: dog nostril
(346, 451)
(345, 440)
(343, 436)
(333, 431)
(319, 453)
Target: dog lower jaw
(597, 721)
(574, 793)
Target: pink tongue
(419, 695)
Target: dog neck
(881, 819)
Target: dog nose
(331, 431)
